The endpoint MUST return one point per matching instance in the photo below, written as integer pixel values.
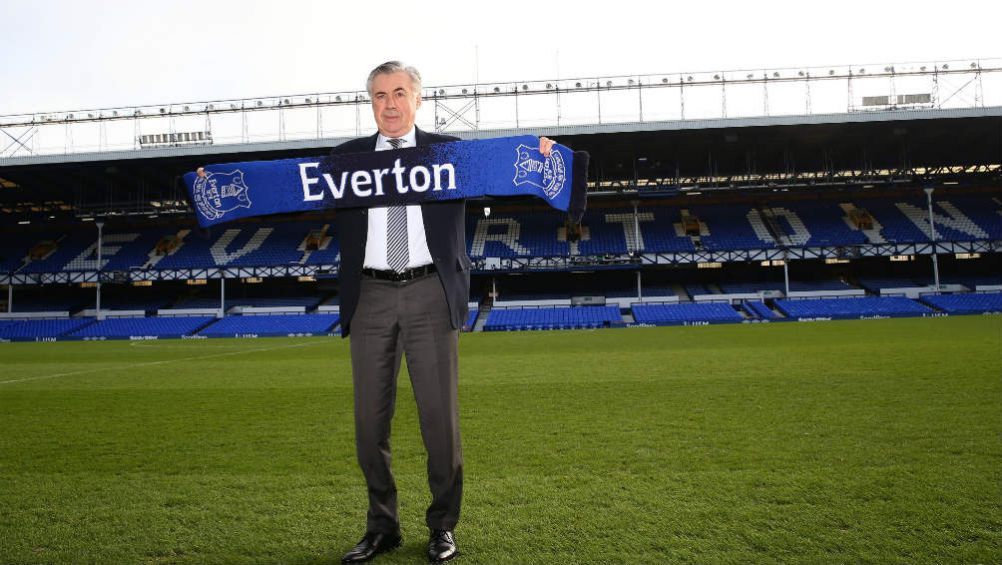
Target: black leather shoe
(442, 546)
(372, 545)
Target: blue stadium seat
(42, 329)
(982, 303)
(848, 308)
(685, 314)
(759, 309)
(272, 325)
(145, 327)
(532, 233)
(471, 320)
(582, 317)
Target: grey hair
(391, 67)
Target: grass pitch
(874, 441)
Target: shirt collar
(410, 139)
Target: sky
(73, 55)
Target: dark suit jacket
(444, 227)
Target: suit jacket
(445, 230)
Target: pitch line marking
(152, 363)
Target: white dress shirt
(375, 243)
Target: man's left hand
(546, 146)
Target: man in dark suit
(405, 281)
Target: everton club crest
(215, 194)
(532, 168)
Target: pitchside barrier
(508, 319)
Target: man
(405, 280)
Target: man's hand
(546, 146)
(200, 172)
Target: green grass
(875, 441)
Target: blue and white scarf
(507, 166)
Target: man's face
(394, 103)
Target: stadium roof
(962, 142)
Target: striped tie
(397, 255)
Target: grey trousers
(392, 320)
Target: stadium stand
(971, 282)
(27, 330)
(471, 320)
(48, 304)
(875, 284)
(753, 287)
(272, 325)
(523, 302)
(823, 224)
(849, 308)
(146, 304)
(696, 289)
(815, 286)
(733, 227)
(582, 317)
(685, 314)
(983, 213)
(907, 220)
(142, 327)
(664, 233)
(983, 303)
(306, 302)
(525, 234)
(760, 310)
(15, 249)
(537, 296)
